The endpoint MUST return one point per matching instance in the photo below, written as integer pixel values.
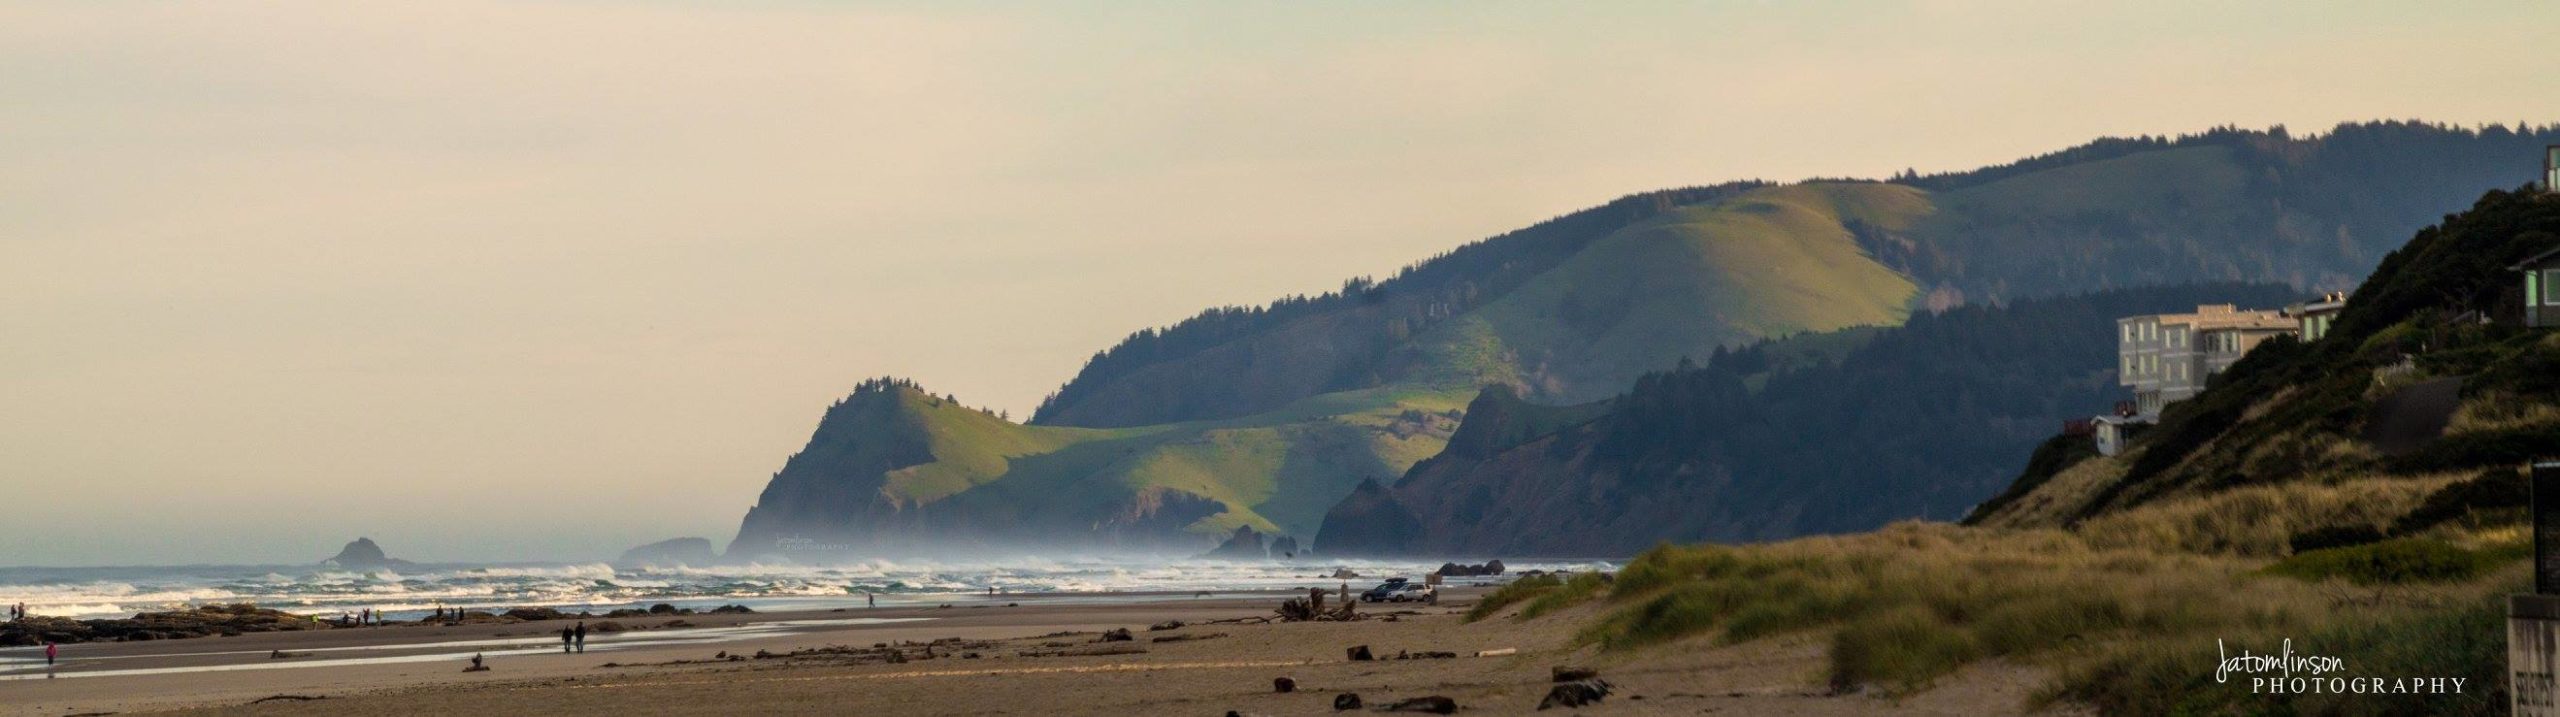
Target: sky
(543, 280)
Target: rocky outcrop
(1244, 544)
(671, 552)
(203, 621)
(1369, 522)
(1283, 547)
(1456, 570)
(363, 555)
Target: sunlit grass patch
(1512, 593)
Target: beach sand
(1199, 669)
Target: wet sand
(1018, 669)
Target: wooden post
(2533, 620)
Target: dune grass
(1512, 593)
(2458, 633)
(1543, 593)
(2129, 630)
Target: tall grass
(2462, 635)
(1912, 603)
(2258, 521)
(1511, 593)
(1543, 593)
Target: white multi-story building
(2166, 358)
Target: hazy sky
(549, 279)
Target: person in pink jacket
(51, 651)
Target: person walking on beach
(870, 599)
(566, 635)
(51, 651)
(582, 637)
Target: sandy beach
(1034, 657)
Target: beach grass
(1910, 604)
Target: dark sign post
(2533, 621)
(2546, 528)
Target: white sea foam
(104, 592)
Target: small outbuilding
(2541, 288)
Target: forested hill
(1810, 434)
(2226, 204)
(1361, 322)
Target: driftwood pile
(1312, 609)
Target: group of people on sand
(574, 639)
(52, 650)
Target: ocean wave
(102, 592)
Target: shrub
(2396, 561)
(2335, 536)
(2493, 489)
(1903, 649)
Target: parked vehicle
(1385, 590)
(1413, 592)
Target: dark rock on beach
(176, 624)
(1434, 704)
(1577, 693)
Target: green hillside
(893, 464)
(1770, 262)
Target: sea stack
(673, 551)
(363, 554)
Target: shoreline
(965, 660)
(197, 672)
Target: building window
(2549, 297)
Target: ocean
(414, 591)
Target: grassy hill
(1769, 262)
(894, 466)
